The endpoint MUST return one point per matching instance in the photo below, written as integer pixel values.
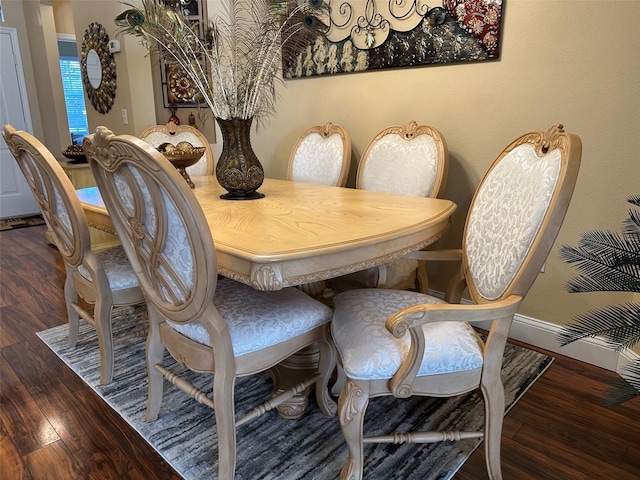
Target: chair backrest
(54, 192)
(321, 155)
(517, 211)
(159, 222)
(410, 160)
(174, 134)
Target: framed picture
(375, 34)
(178, 90)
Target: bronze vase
(238, 170)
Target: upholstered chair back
(55, 194)
(321, 155)
(159, 222)
(242, 331)
(103, 277)
(174, 134)
(408, 160)
(512, 221)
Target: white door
(16, 199)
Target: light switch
(125, 119)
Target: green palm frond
(634, 199)
(619, 325)
(631, 226)
(607, 261)
(625, 388)
(631, 373)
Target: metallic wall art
(98, 68)
(374, 34)
(178, 90)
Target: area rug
(22, 222)
(309, 448)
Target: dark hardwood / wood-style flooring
(53, 426)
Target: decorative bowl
(75, 153)
(184, 158)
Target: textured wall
(574, 62)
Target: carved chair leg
(154, 352)
(71, 297)
(223, 399)
(352, 405)
(494, 405)
(327, 362)
(102, 318)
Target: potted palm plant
(609, 262)
(235, 67)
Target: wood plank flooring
(53, 426)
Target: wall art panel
(374, 34)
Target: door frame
(17, 59)
(19, 199)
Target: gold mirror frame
(96, 38)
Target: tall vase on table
(238, 169)
(233, 62)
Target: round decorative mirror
(94, 71)
(98, 68)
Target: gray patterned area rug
(270, 447)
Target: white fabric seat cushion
(117, 268)
(259, 319)
(369, 352)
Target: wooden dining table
(301, 234)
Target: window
(73, 92)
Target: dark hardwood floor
(54, 426)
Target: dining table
(301, 234)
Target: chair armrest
(412, 318)
(417, 315)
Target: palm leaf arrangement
(236, 65)
(609, 262)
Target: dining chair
(410, 160)
(322, 154)
(404, 343)
(208, 325)
(103, 278)
(174, 134)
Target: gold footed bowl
(181, 159)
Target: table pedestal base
(293, 371)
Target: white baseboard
(542, 334)
(545, 335)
